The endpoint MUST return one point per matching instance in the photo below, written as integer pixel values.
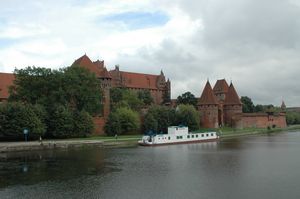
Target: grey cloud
(254, 43)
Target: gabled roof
(221, 86)
(85, 62)
(232, 96)
(208, 97)
(6, 80)
(138, 80)
(105, 73)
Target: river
(265, 166)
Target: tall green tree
(73, 87)
(248, 106)
(187, 98)
(159, 118)
(15, 117)
(60, 123)
(188, 116)
(121, 97)
(65, 95)
(122, 121)
(258, 108)
(145, 97)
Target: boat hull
(183, 142)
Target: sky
(253, 43)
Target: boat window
(202, 135)
(169, 138)
(188, 136)
(196, 136)
(192, 136)
(212, 134)
(206, 135)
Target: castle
(221, 106)
(218, 106)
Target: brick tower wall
(230, 114)
(208, 116)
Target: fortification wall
(263, 120)
(99, 123)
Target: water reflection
(249, 167)
(33, 167)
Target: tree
(187, 98)
(258, 108)
(125, 98)
(113, 124)
(15, 117)
(188, 116)
(60, 123)
(121, 121)
(73, 87)
(83, 124)
(160, 115)
(145, 97)
(248, 106)
(150, 123)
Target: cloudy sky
(254, 43)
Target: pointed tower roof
(232, 96)
(221, 86)
(283, 106)
(207, 96)
(85, 62)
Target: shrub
(83, 124)
(121, 121)
(15, 117)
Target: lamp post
(25, 132)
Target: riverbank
(97, 141)
(231, 133)
(120, 141)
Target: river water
(266, 166)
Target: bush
(83, 124)
(159, 118)
(188, 116)
(60, 123)
(15, 117)
(122, 121)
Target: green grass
(106, 138)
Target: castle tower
(220, 90)
(232, 108)
(283, 107)
(208, 108)
(102, 75)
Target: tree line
(51, 103)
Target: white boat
(177, 135)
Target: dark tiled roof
(85, 62)
(232, 97)
(221, 86)
(139, 80)
(207, 96)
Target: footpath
(49, 144)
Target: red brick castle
(221, 106)
(218, 106)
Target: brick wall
(99, 123)
(263, 120)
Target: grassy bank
(229, 132)
(224, 132)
